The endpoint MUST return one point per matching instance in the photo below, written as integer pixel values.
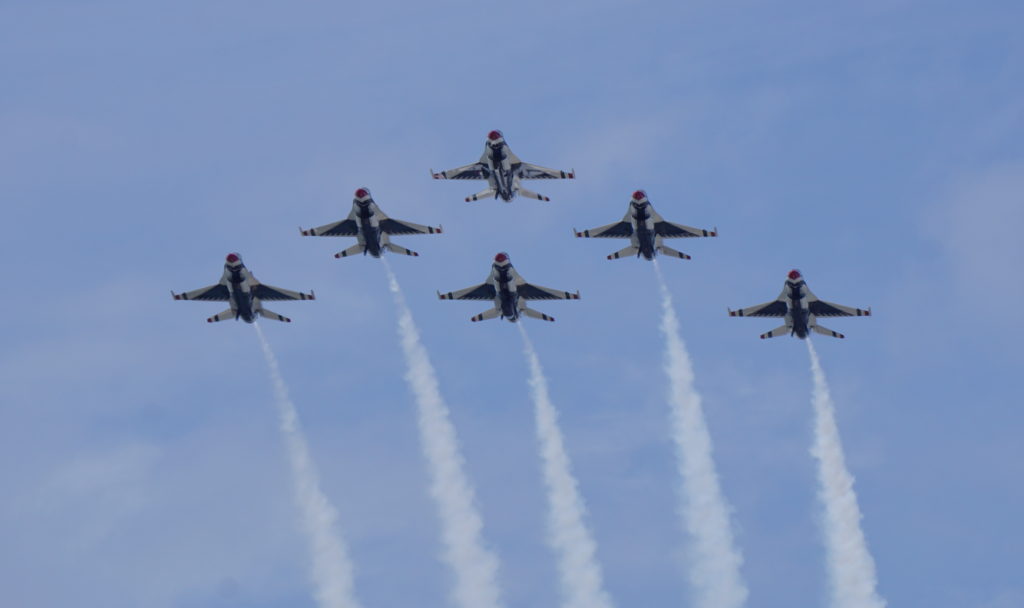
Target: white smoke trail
(474, 565)
(567, 534)
(715, 561)
(850, 565)
(332, 570)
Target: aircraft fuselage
(241, 294)
(502, 174)
(798, 313)
(369, 230)
(508, 297)
(643, 232)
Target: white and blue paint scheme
(509, 292)
(246, 295)
(504, 172)
(801, 309)
(371, 227)
(646, 231)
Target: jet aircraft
(503, 171)
(244, 292)
(800, 308)
(645, 229)
(509, 292)
(371, 227)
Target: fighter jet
(801, 309)
(503, 171)
(645, 229)
(371, 227)
(509, 292)
(244, 292)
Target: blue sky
(876, 147)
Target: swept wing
(214, 293)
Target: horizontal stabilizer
(223, 316)
(818, 329)
(533, 314)
(778, 331)
(531, 194)
(672, 252)
(482, 194)
(267, 314)
(626, 251)
(487, 314)
(399, 249)
(354, 249)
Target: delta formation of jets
(504, 171)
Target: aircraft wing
(775, 308)
(530, 171)
(821, 308)
(391, 226)
(476, 170)
(528, 291)
(670, 230)
(616, 230)
(346, 227)
(483, 291)
(213, 293)
(270, 294)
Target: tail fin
(267, 314)
(399, 249)
(533, 314)
(624, 252)
(818, 329)
(354, 249)
(532, 194)
(487, 314)
(482, 194)
(778, 331)
(223, 316)
(672, 252)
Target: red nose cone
(639, 195)
(362, 193)
(232, 258)
(501, 258)
(493, 135)
(794, 275)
